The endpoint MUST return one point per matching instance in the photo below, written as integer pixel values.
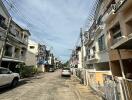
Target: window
(32, 47)
(88, 54)
(2, 22)
(101, 42)
(116, 32)
(8, 50)
(4, 71)
(93, 52)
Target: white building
(36, 55)
(31, 57)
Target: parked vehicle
(7, 77)
(66, 72)
(51, 68)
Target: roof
(21, 27)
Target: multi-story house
(108, 48)
(76, 58)
(97, 59)
(32, 52)
(13, 40)
(118, 19)
(16, 46)
(4, 20)
(41, 57)
(36, 55)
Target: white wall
(31, 58)
(33, 43)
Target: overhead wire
(24, 18)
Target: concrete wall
(31, 56)
(31, 59)
(35, 49)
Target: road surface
(49, 86)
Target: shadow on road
(65, 77)
(8, 88)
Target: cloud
(56, 22)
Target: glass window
(32, 47)
(3, 71)
(101, 42)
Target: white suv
(7, 77)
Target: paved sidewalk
(84, 91)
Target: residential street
(49, 86)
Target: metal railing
(129, 88)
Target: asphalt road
(49, 86)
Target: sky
(55, 23)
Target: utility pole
(82, 51)
(81, 36)
(5, 41)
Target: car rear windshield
(66, 68)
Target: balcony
(18, 39)
(92, 58)
(119, 4)
(110, 13)
(99, 28)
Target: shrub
(28, 71)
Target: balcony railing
(92, 57)
(116, 40)
(109, 12)
(129, 88)
(119, 4)
(19, 39)
(99, 28)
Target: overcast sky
(56, 23)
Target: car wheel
(14, 83)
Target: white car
(66, 72)
(7, 77)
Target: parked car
(66, 72)
(7, 77)
(51, 69)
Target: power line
(24, 18)
(15, 10)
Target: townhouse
(13, 40)
(16, 46)
(108, 50)
(4, 20)
(97, 59)
(118, 24)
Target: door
(1, 78)
(6, 76)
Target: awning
(12, 60)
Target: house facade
(13, 40)
(36, 55)
(15, 46)
(108, 50)
(4, 20)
